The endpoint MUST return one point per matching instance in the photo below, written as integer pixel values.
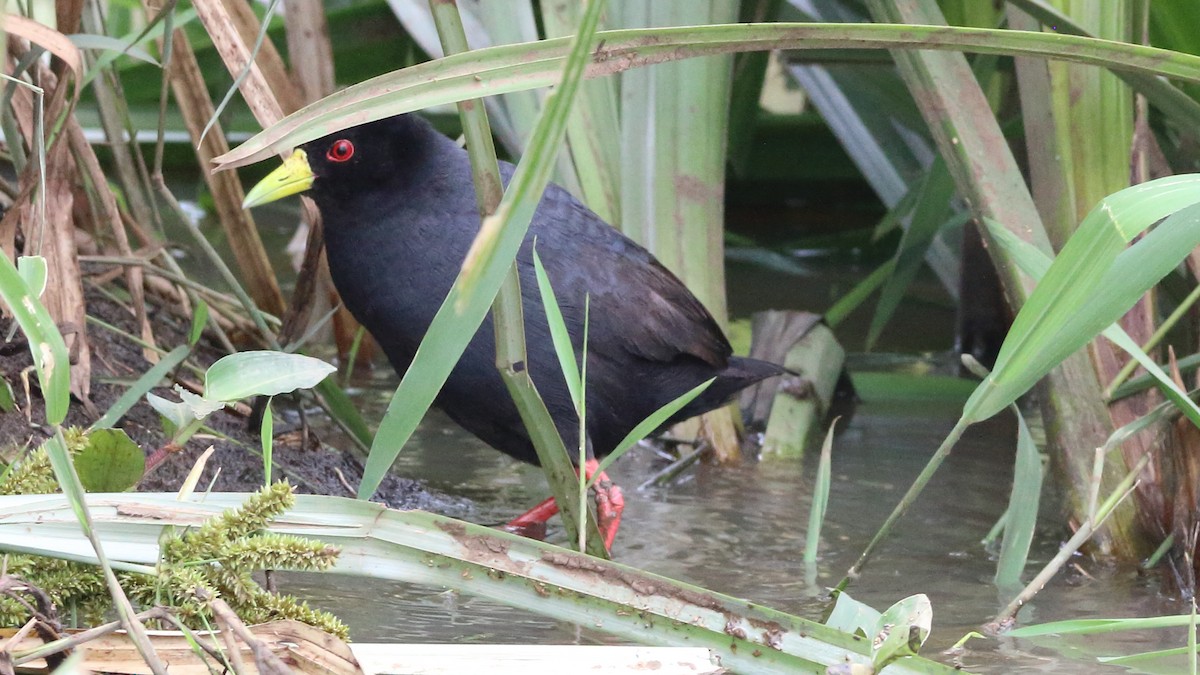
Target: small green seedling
(233, 378)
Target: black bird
(399, 210)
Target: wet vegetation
(1043, 170)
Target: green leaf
(1099, 626)
(1132, 273)
(142, 387)
(68, 481)
(176, 414)
(1064, 312)
(345, 411)
(510, 68)
(558, 333)
(902, 629)
(853, 617)
(110, 44)
(199, 321)
(820, 498)
(45, 341)
(8, 402)
(262, 373)
(647, 426)
(1022, 508)
(111, 462)
(151, 31)
(266, 433)
(200, 407)
(33, 271)
(930, 214)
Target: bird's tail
(739, 374)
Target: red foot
(610, 504)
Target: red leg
(532, 523)
(610, 504)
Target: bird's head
(346, 160)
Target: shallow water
(741, 531)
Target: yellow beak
(294, 176)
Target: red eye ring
(340, 151)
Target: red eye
(340, 151)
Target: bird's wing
(636, 304)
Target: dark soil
(312, 466)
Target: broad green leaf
(1064, 312)
(1035, 263)
(262, 373)
(902, 629)
(111, 462)
(853, 617)
(177, 415)
(198, 406)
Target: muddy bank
(300, 455)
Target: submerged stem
(914, 491)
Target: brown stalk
(265, 660)
(56, 238)
(265, 104)
(127, 161)
(268, 59)
(191, 96)
(109, 214)
(311, 55)
(226, 29)
(309, 49)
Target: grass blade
(1022, 511)
(144, 384)
(649, 425)
(820, 499)
(510, 68)
(558, 333)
